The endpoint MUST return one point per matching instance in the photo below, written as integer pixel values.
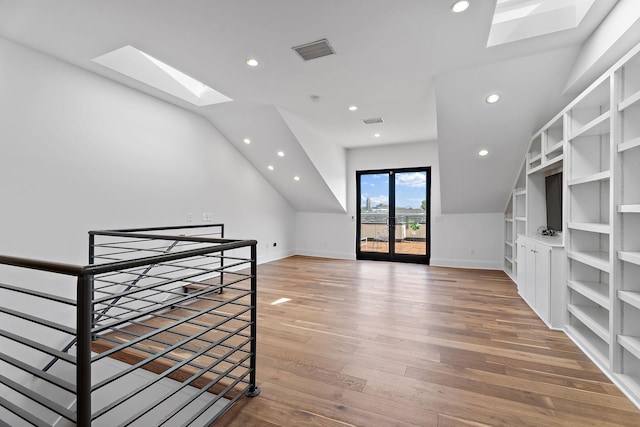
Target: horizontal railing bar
(19, 412)
(52, 379)
(75, 270)
(39, 321)
(129, 244)
(136, 249)
(156, 259)
(156, 355)
(38, 294)
(199, 271)
(211, 288)
(182, 281)
(164, 342)
(105, 278)
(185, 383)
(204, 390)
(163, 329)
(160, 306)
(144, 362)
(38, 346)
(173, 227)
(38, 398)
(52, 267)
(150, 286)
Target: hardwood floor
(380, 344)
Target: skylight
(145, 68)
(522, 19)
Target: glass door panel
(411, 213)
(374, 213)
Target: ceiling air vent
(314, 50)
(373, 121)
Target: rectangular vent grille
(373, 121)
(314, 50)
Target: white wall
(79, 152)
(453, 237)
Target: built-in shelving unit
(515, 222)
(595, 142)
(588, 204)
(509, 241)
(626, 355)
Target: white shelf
(597, 126)
(631, 298)
(595, 291)
(589, 343)
(508, 242)
(521, 218)
(535, 158)
(508, 219)
(520, 192)
(556, 147)
(632, 143)
(509, 259)
(596, 319)
(551, 164)
(600, 176)
(629, 101)
(591, 227)
(599, 260)
(632, 257)
(631, 344)
(629, 208)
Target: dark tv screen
(553, 190)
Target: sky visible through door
(410, 190)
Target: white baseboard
(467, 263)
(326, 254)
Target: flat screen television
(553, 192)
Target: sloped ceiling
(422, 68)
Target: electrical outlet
(274, 244)
(204, 217)
(189, 217)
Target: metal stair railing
(215, 333)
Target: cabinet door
(521, 256)
(543, 281)
(530, 274)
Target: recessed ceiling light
(251, 62)
(246, 141)
(296, 178)
(460, 6)
(483, 152)
(281, 153)
(270, 167)
(353, 108)
(376, 135)
(493, 98)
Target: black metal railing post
(84, 322)
(253, 390)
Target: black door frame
(392, 256)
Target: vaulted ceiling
(422, 68)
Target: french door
(393, 214)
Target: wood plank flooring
(365, 343)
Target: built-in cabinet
(541, 279)
(595, 141)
